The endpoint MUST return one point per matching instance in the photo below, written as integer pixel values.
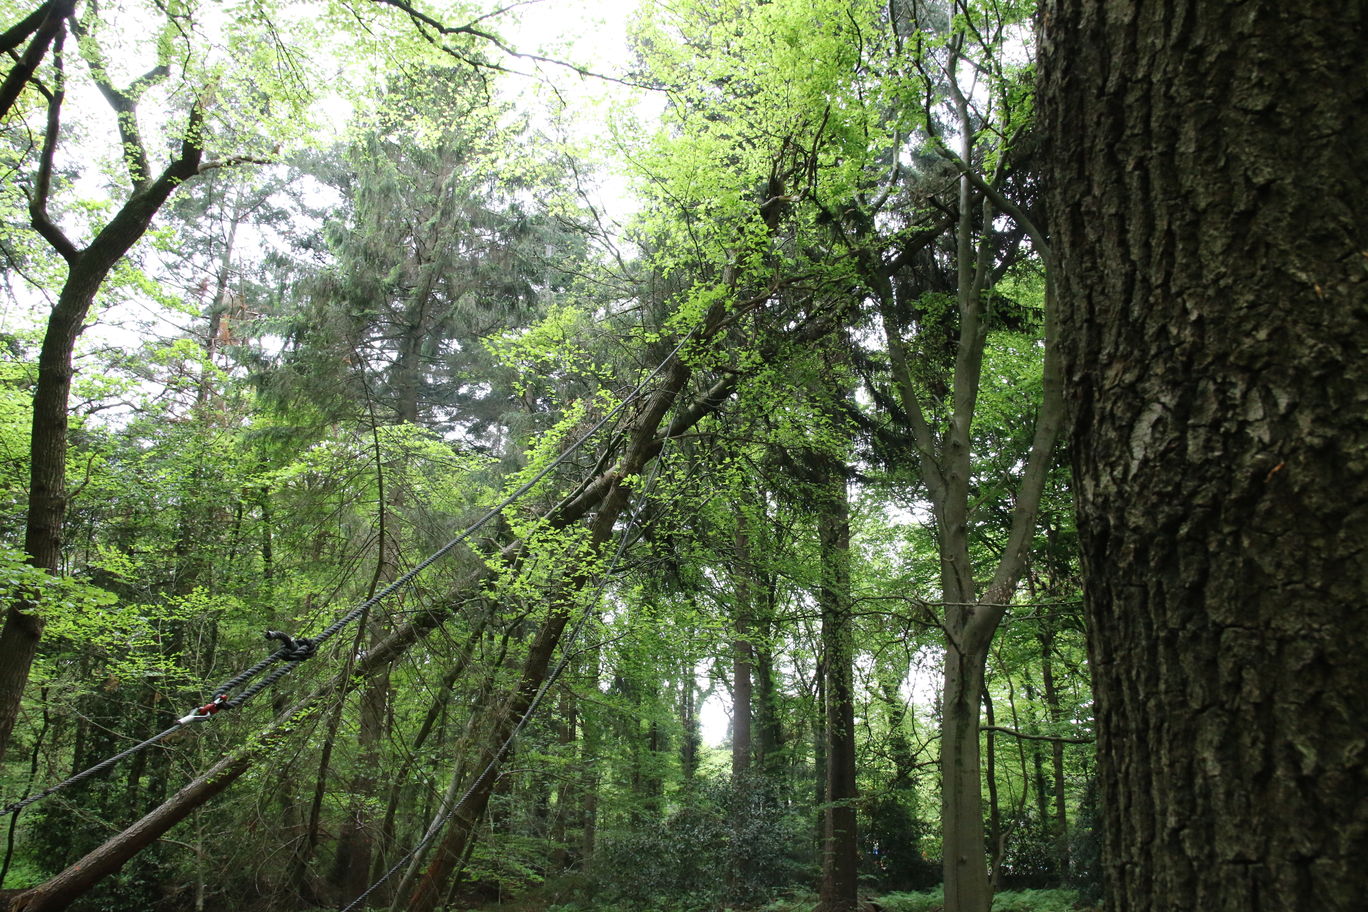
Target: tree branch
(38, 203)
(1026, 737)
(50, 18)
(424, 21)
(1016, 213)
(123, 101)
(15, 35)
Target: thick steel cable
(295, 652)
(84, 774)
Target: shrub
(731, 844)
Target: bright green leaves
(767, 108)
(61, 598)
(128, 637)
(553, 356)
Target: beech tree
(1208, 165)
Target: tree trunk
(47, 486)
(995, 839)
(742, 653)
(86, 272)
(1061, 814)
(840, 851)
(769, 726)
(566, 792)
(688, 723)
(1206, 189)
(962, 842)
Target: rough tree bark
(1207, 174)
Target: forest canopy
(817, 456)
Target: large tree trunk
(1208, 173)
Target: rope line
(440, 822)
(100, 767)
(293, 652)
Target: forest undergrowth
(1055, 900)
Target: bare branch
(123, 101)
(54, 15)
(1026, 737)
(38, 203)
(424, 21)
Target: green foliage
(23, 873)
(415, 326)
(724, 843)
(1003, 901)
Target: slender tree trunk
(688, 721)
(1207, 181)
(566, 793)
(821, 786)
(86, 272)
(840, 850)
(47, 487)
(1061, 813)
(356, 840)
(962, 844)
(769, 730)
(741, 654)
(994, 805)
